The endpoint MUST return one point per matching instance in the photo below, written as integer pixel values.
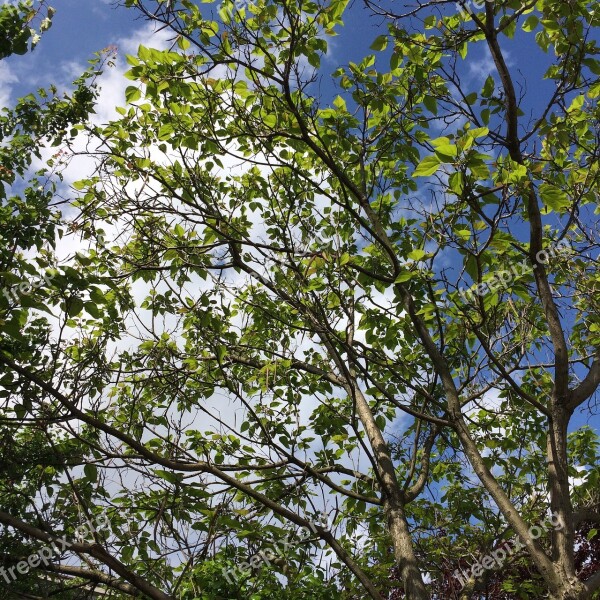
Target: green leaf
(314, 60)
(340, 103)
(428, 166)
(74, 306)
(417, 254)
(489, 87)
(447, 153)
(380, 43)
(168, 475)
(127, 554)
(183, 43)
(593, 65)
(91, 472)
(132, 93)
(166, 131)
(20, 411)
(92, 309)
(471, 98)
(405, 276)
(531, 23)
(553, 197)
(463, 233)
(97, 296)
(430, 104)
(221, 353)
(478, 132)
(456, 183)
(430, 22)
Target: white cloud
(7, 77)
(481, 69)
(113, 82)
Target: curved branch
(587, 387)
(94, 550)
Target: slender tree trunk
(393, 504)
(563, 539)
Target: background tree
(37, 451)
(284, 322)
(22, 24)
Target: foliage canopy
(376, 298)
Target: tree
(20, 30)
(35, 455)
(306, 301)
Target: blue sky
(79, 28)
(82, 27)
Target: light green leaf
(405, 276)
(446, 153)
(456, 183)
(478, 132)
(428, 166)
(132, 93)
(417, 254)
(553, 197)
(340, 103)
